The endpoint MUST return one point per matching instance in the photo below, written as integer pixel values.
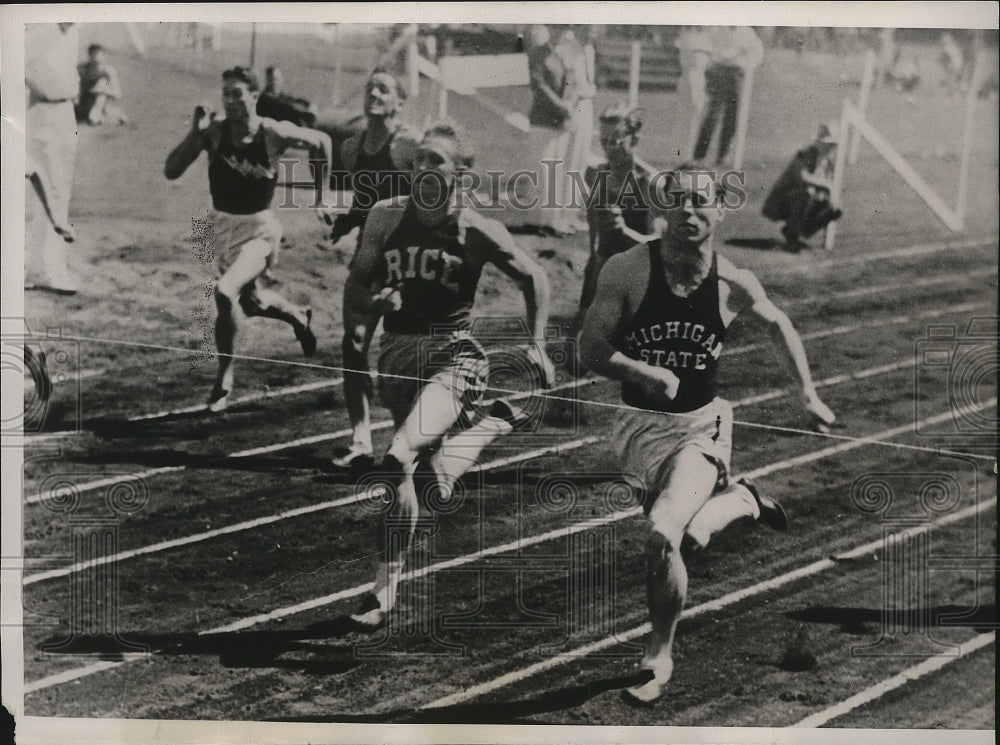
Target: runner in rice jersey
(428, 255)
(658, 324)
(242, 151)
(379, 159)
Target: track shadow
(982, 620)
(529, 229)
(511, 712)
(240, 649)
(168, 458)
(770, 244)
(761, 244)
(111, 428)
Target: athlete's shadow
(981, 619)
(238, 649)
(203, 424)
(760, 244)
(512, 712)
(173, 458)
(174, 426)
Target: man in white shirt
(725, 54)
(581, 56)
(51, 83)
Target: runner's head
(688, 207)
(95, 52)
(619, 133)
(240, 90)
(444, 152)
(384, 94)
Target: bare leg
(358, 332)
(722, 510)
(461, 452)
(433, 414)
(96, 113)
(689, 486)
(248, 265)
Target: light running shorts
(233, 232)
(648, 441)
(457, 362)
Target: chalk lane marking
(930, 665)
(82, 672)
(385, 423)
(360, 497)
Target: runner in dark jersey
(428, 255)
(618, 214)
(379, 160)
(242, 151)
(658, 324)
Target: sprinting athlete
(242, 150)
(658, 324)
(379, 160)
(428, 255)
(618, 215)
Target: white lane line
(90, 486)
(319, 385)
(712, 605)
(932, 281)
(882, 323)
(871, 372)
(259, 396)
(520, 544)
(529, 455)
(906, 252)
(930, 665)
(937, 280)
(289, 514)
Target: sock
(720, 511)
(387, 575)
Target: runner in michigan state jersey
(658, 324)
(242, 151)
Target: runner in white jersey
(242, 152)
(658, 324)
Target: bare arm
(603, 318)
(748, 292)
(531, 279)
(190, 147)
(283, 135)
(365, 265)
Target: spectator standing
(551, 118)
(619, 198)
(582, 59)
(725, 53)
(52, 83)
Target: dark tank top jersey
(240, 178)
(380, 181)
(431, 266)
(682, 334)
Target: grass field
(244, 549)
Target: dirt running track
(538, 557)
